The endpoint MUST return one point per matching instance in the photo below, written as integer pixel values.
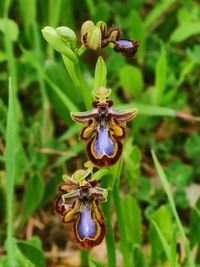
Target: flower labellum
(79, 204)
(104, 129)
(127, 47)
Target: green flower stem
(127, 254)
(110, 240)
(81, 51)
(84, 258)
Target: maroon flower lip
(79, 204)
(127, 47)
(104, 131)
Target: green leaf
(32, 253)
(136, 30)
(61, 79)
(161, 76)
(138, 256)
(18, 256)
(159, 10)
(160, 233)
(179, 173)
(195, 224)
(51, 187)
(100, 74)
(64, 98)
(132, 157)
(131, 79)
(185, 31)
(29, 18)
(194, 53)
(174, 247)
(132, 220)
(34, 187)
(10, 26)
(100, 173)
(10, 162)
(149, 110)
(167, 189)
(192, 145)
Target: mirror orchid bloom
(78, 203)
(104, 130)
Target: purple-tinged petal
(86, 227)
(84, 117)
(123, 115)
(124, 43)
(104, 144)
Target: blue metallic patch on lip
(86, 226)
(104, 145)
(124, 43)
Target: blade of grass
(154, 110)
(174, 246)
(165, 245)
(153, 18)
(66, 101)
(149, 110)
(91, 7)
(12, 69)
(160, 76)
(46, 117)
(11, 147)
(168, 192)
(197, 211)
(9, 47)
(126, 251)
(54, 10)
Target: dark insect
(79, 204)
(104, 131)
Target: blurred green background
(42, 140)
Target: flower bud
(115, 34)
(91, 35)
(67, 35)
(103, 27)
(94, 39)
(85, 28)
(52, 37)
